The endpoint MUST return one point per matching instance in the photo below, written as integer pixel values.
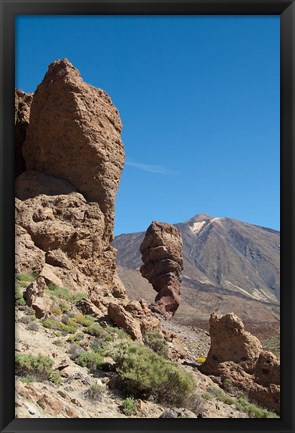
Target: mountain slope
(228, 266)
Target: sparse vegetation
(36, 368)
(242, 403)
(19, 299)
(98, 331)
(146, 374)
(25, 279)
(63, 293)
(129, 406)
(33, 326)
(91, 360)
(84, 320)
(69, 328)
(95, 392)
(74, 351)
(157, 343)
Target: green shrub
(91, 360)
(25, 279)
(95, 392)
(98, 331)
(63, 293)
(84, 320)
(118, 331)
(144, 373)
(253, 410)
(242, 403)
(129, 406)
(157, 343)
(36, 368)
(19, 299)
(70, 328)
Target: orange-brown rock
(74, 134)
(65, 199)
(135, 318)
(37, 298)
(162, 259)
(23, 103)
(141, 312)
(237, 355)
(125, 320)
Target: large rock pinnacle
(162, 259)
(74, 134)
(73, 157)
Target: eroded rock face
(237, 355)
(74, 157)
(162, 259)
(74, 134)
(135, 318)
(23, 103)
(37, 298)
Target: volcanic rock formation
(73, 157)
(23, 103)
(162, 259)
(237, 355)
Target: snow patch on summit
(196, 227)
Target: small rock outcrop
(135, 318)
(68, 135)
(37, 298)
(237, 355)
(162, 259)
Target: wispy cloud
(159, 169)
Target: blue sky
(199, 101)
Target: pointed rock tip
(60, 68)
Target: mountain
(229, 265)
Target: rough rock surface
(162, 259)
(135, 318)
(74, 134)
(37, 298)
(237, 355)
(65, 200)
(23, 103)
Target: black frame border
(8, 10)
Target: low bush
(70, 328)
(98, 331)
(91, 360)
(95, 392)
(157, 343)
(63, 293)
(129, 406)
(19, 299)
(144, 373)
(243, 404)
(33, 326)
(25, 279)
(74, 351)
(36, 368)
(253, 410)
(84, 320)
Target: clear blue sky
(199, 101)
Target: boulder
(124, 319)
(236, 355)
(162, 258)
(37, 298)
